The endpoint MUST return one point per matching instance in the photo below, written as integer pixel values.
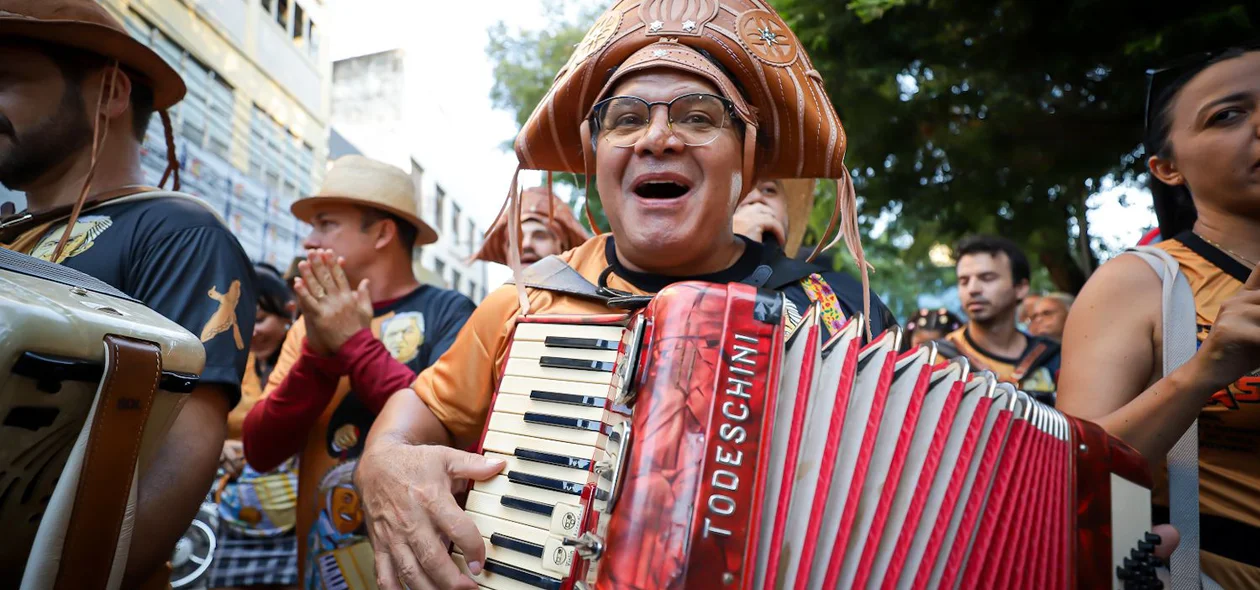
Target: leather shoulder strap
(1031, 357)
(553, 274)
(132, 370)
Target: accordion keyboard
(551, 421)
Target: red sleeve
(278, 426)
(374, 373)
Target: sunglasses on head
(1158, 80)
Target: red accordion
(697, 444)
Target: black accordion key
(558, 362)
(553, 459)
(546, 483)
(527, 505)
(566, 422)
(516, 545)
(580, 343)
(523, 576)
(567, 398)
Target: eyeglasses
(1158, 80)
(696, 119)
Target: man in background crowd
(367, 329)
(1048, 315)
(776, 211)
(993, 276)
(548, 227)
(1026, 308)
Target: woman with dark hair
(257, 546)
(1203, 143)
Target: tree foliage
(998, 116)
(963, 116)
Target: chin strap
(100, 131)
(514, 241)
(845, 215)
(588, 156)
(172, 158)
(749, 179)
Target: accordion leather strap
(1025, 365)
(100, 504)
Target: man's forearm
(176, 482)
(405, 418)
(374, 374)
(277, 427)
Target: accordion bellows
(697, 444)
(801, 134)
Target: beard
(35, 151)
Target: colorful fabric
(261, 504)
(820, 294)
(241, 560)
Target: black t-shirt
(178, 259)
(757, 264)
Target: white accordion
(90, 382)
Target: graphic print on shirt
(403, 335)
(1246, 390)
(224, 318)
(82, 238)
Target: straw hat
(86, 25)
(356, 180)
(535, 206)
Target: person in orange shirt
(678, 122)
(1203, 148)
(548, 227)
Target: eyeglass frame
(597, 128)
(1182, 65)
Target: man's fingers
(778, 230)
(408, 570)
(472, 466)
(1169, 538)
(305, 298)
(437, 566)
(453, 522)
(306, 273)
(339, 274)
(386, 577)
(323, 271)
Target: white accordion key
(524, 547)
(560, 369)
(561, 519)
(541, 450)
(576, 478)
(500, 485)
(496, 575)
(526, 385)
(538, 350)
(588, 408)
(540, 332)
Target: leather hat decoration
(537, 204)
(86, 25)
(356, 180)
(799, 193)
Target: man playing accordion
(690, 115)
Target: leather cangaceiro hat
(88, 26)
(537, 204)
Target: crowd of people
(340, 399)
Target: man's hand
(232, 460)
(1232, 349)
(333, 310)
(755, 220)
(407, 492)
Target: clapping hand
(333, 311)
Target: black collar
(652, 283)
(1214, 255)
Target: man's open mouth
(661, 189)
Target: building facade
(369, 114)
(252, 132)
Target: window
(282, 14)
(266, 4)
(455, 279)
(313, 41)
(472, 235)
(439, 268)
(455, 222)
(440, 208)
(299, 23)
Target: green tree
(998, 116)
(526, 62)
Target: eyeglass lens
(696, 119)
